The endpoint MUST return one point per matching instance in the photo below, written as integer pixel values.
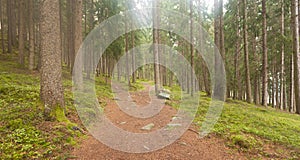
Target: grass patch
(248, 126)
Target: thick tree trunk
(296, 53)
(51, 68)
(246, 54)
(265, 56)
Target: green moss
(24, 133)
(60, 114)
(244, 141)
(249, 126)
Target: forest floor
(244, 131)
(189, 146)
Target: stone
(148, 127)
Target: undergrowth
(24, 132)
(249, 127)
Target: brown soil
(189, 146)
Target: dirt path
(189, 146)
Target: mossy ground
(24, 133)
(249, 127)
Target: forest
(150, 79)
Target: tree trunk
(222, 37)
(274, 80)
(265, 56)
(296, 53)
(127, 56)
(51, 68)
(282, 73)
(31, 35)
(2, 28)
(170, 73)
(62, 31)
(246, 54)
(71, 24)
(9, 26)
(133, 57)
(216, 41)
(216, 24)
(22, 32)
(206, 79)
(90, 19)
(14, 7)
(292, 86)
(77, 43)
(257, 76)
(237, 55)
(38, 38)
(192, 48)
(156, 42)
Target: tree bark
(265, 56)
(296, 53)
(77, 43)
(282, 73)
(292, 86)
(31, 35)
(216, 24)
(70, 42)
(257, 76)
(21, 32)
(51, 67)
(156, 42)
(2, 28)
(127, 56)
(246, 54)
(133, 57)
(192, 48)
(9, 26)
(14, 8)
(237, 55)
(274, 83)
